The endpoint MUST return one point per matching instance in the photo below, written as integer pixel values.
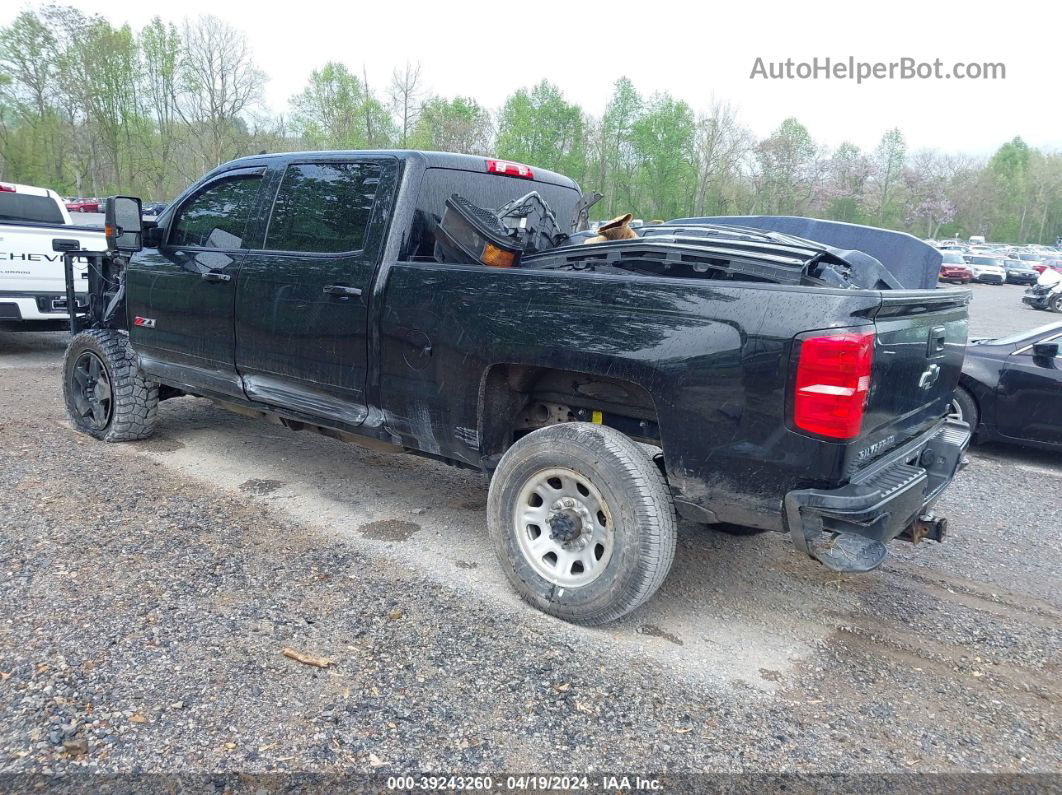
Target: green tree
(334, 111)
(453, 125)
(616, 163)
(161, 51)
(663, 145)
(788, 170)
(540, 128)
(1009, 174)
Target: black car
(152, 210)
(1011, 388)
(1019, 273)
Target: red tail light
(7, 188)
(510, 169)
(832, 380)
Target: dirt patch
(257, 486)
(159, 444)
(466, 564)
(654, 631)
(392, 530)
(477, 503)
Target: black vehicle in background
(377, 297)
(1019, 272)
(1011, 388)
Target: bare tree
(720, 144)
(220, 83)
(889, 159)
(405, 99)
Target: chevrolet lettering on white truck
(32, 285)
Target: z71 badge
(144, 322)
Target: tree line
(88, 108)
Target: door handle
(341, 289)
(214, 276)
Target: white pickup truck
(32, 285)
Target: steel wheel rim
(955, 411)
(91, 391)
(564, 527)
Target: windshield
(952, 258)
(987, 261)
(1029, 257)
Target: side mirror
(1048, 350)
(122, 224)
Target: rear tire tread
(654, 514)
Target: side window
(217, 217)
(323, 207)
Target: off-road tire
(637, 497)
(135, 399)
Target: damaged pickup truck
(455, 307)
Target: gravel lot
(148, 590)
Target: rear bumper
(37, 306)
(989, 278)
(886, 498)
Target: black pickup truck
(728, 375)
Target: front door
(180, 296)
(302, 301)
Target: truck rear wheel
(582, 522)
(106, 394)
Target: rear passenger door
(302, 301)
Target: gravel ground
(148, 591)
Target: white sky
(694, 50)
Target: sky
(696, 51)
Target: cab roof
(452, 160)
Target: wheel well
(517, 399)
(967, 385)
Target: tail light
(832, 380)
(7, 188)
(510, 169)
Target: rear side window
(26, 207)
(487, 190)
(323, 207)
(217, 217)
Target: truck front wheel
(106, 394)
(582, 522)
